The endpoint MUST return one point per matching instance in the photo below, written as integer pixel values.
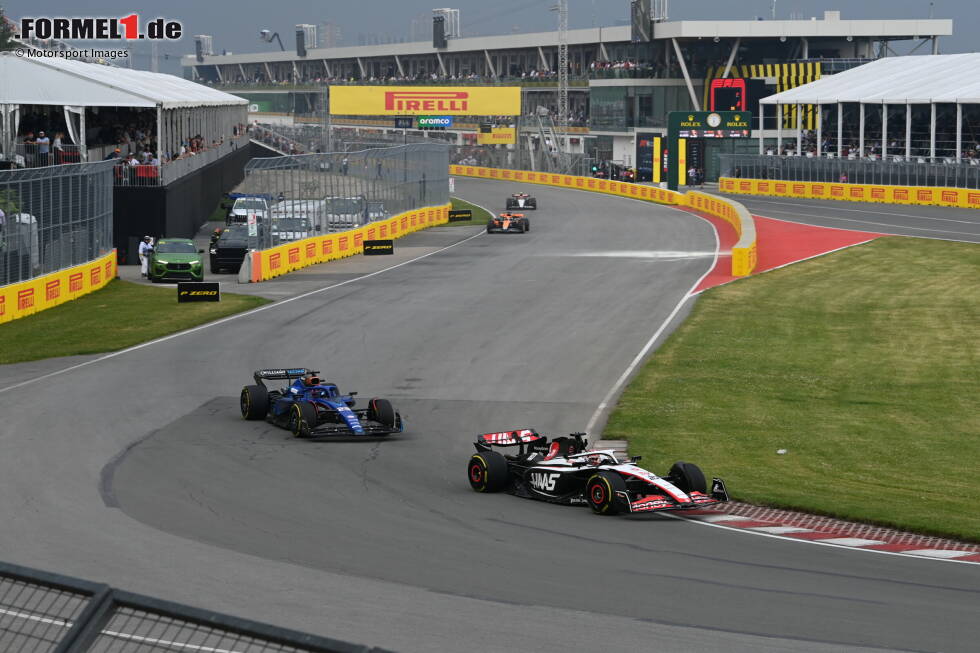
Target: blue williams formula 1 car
(310, 408)
(564, 471)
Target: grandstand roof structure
(56, 81)
(929, 79)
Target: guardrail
(744, 254)
(265, 264)
(963, 198)
(41, 611)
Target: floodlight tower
(562, 126)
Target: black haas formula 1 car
(522, 201)
(565, 471)
(509, 223)
(310, 408)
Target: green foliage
(9, 201)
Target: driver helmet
(310, 381)
(320, 393)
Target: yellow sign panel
(498, 136)
(425, 100)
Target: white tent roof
(25, 80)
(923, 79)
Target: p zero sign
(425, 101)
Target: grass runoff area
(864, 365)
(480, 216)
(120, 315)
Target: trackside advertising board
(964, 198)
(200, 291)
(285, 258)
(425, 100)
(40, 293)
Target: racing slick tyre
(688, 477)
(254, 402)
(601, 491)
(487, 471)
(302, 419)
(380, 410)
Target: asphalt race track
(898, 219)
(136, 469)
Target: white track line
(267, 307)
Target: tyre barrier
(27, 297)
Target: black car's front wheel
(302, 419)
(254, 402)
(487, 471)
(600, 491)
(688, 477)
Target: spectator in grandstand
(343, 166)
(115, 154)
(43, 148)
(58, 148)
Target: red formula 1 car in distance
(563, 470)
(509, 223)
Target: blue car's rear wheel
(302, 419)
(254, 402)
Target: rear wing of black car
(526, 439)
(281, 374)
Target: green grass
(120, 315)
(480, 216)
(864, 365)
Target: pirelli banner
(37, 294)
(282, 259)
(425, 100)
(963, 198)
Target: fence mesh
(34, 618)
(53, 218)
(130, 630)
(343, 190)
(854, 171)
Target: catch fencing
(53, 218)
(42, 612)
(853, 171)
(339, 191)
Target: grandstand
(178, 145)
(620, 90)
